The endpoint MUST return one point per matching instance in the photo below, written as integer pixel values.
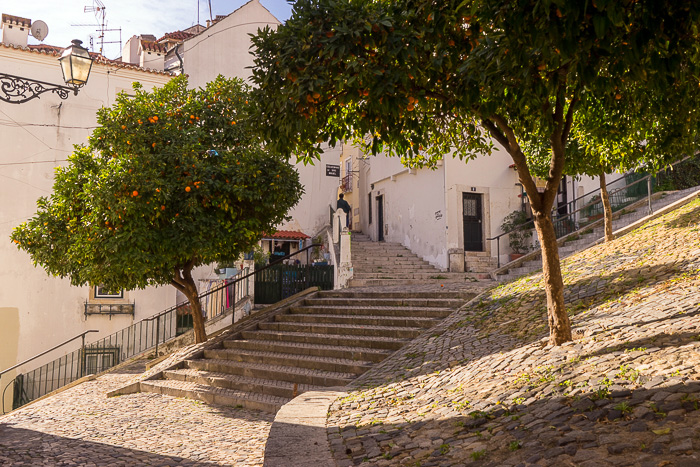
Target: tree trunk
(183, 281)
(558, 319)
(607, 209)
(200, 335)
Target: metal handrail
(81, 335)
(50, 350)
(530, 225)
(162, 327)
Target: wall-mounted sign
(332, 170)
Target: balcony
(346, 183)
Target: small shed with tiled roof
(284, 242)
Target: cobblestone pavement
(483, 388)
(81, 426)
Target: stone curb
(298, 434)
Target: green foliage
(683, 175)
(518, 237)
(562, 86)
(421, 78)
(171, 179)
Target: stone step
(382, 267)
(337, 365)
(283, 389)
(388, 261)
(346, 329)
(404, 294)
(369, 309)
(314, 350)
(436, 275)
(214, 395)
(359, 320)
(273, 372)
(369, 342)
(402, 282)
(400, 301)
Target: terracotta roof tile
(175, 36)
(50, 49)
(153, 47)
(287, 235)
(99, 58)
(16, 20)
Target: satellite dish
(39, 30)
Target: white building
(39, 311)
(446, 215)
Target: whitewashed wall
(224, 47)
(38, 311)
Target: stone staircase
(588, 237)
(387, 264)
(479, 262)
(326, 340)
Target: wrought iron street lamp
(76, 64)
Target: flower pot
(514, 256)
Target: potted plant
(518, 236)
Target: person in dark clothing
(342, 204)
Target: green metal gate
(281, 281)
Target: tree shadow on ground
(630, 427)
(685, 220)
(523, 314)
(20, 446)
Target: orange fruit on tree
(123, 127)
(135, 193)
(188, 189)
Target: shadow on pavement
(19, 446)
(595, 428)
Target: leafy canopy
(421, 78)
(171, 179)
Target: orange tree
(423, 78)
(170, 180)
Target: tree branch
(496, 133)
(569, 119)
(520, 160)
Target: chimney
(15, 30)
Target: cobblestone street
(483, 388)
(81, 426)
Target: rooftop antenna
(99, 9)
(100, 15)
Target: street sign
(332, 170)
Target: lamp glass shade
(75, 64)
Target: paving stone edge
(298, 434)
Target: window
(102, 292)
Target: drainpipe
(182, 64)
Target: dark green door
(472, 216)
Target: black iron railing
(71, 371)
(588, 208)
(146, 334)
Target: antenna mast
(99, 9)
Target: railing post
(651, 211)
(498, 251)
(157, 335)
(82, 357)
(233, 305)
